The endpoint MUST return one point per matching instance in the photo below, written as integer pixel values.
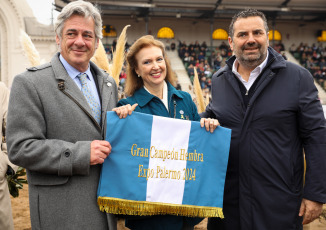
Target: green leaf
(15, 182)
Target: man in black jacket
(272, 107)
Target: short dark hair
(245, 14)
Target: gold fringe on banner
(145, 208)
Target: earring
(138, 75)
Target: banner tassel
(145, 208)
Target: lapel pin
(181, 113)
(109, 84)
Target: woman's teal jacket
(180, 106)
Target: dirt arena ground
(20, 209)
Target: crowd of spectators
(312, 58)
(206, 60)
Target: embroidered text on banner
(161, 165)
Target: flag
(161, 165)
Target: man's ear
(57, 39)
(230, 43)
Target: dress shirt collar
(72, 72)
(253, 75)
(165, 95)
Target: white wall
(46, 48)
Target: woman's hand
(124, 110)
(209, 123)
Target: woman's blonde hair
(133, 82)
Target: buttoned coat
(50, 129)
(264, 181)
(6, 221)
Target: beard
(251, 59)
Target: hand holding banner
(161, 165)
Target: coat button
(249, 105)
(67, 154)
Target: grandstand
(191, 20)
(188, 24)
(174, 22)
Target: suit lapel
(234, 84)
(70, 86)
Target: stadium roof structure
(196, 10)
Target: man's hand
(209, 123)
(99, 151)
(124, 110)
(310, 210)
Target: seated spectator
(114, 44)
(207, 69)
(192, 61)
(322, 64)
(206, 62)
(317, 75)
(200, 66)
(293, 49)
(201, 56)
(223, 46)
(211, 58)
(183, 44)
(192, 51)
(217, 62)
(204, 45)
(203, 50)
(202, 81)
(191, 46)
(323, 76)
(172, 46)
(315, 56)
(196, 45)
(190, 71)
(122, 77)
(209, 84)
(183, 51)
(186, 59)
(312, 58)
(224, 53)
